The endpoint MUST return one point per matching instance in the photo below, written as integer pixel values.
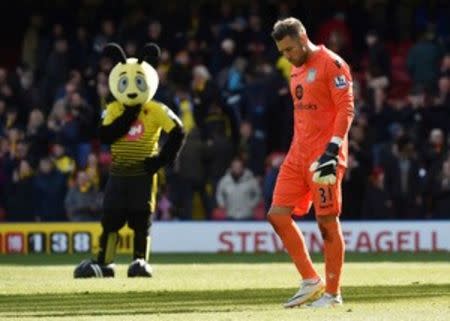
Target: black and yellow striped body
(141, 141)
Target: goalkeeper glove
(324, 168)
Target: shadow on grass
(162, 302)
(224, 258)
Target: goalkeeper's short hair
(287, 27)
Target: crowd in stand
(221, 74)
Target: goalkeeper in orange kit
(321, 88)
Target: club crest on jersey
(340, 82)
(299, 91)
(311, 75)
(136, 131)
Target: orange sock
(334, 249)
(294, 243)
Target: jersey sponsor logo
(136, 131)
(299, 92)
(340, 82)
(302, 106)
(311, 75)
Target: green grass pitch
(196, 287)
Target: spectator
(155, 34)
(190, 177)
(37, 135)
(225, 56)
(231, 81)
(220, 154)
(49, 190)
(131, 48)
(6, 88)
(435, 149)
(56, 70)
(255, 103)
(165, 92)
(82, 202)
(81, 50)
(353, 186)
(180, 70)
(63, 163)
(379, 60)
(107, 34)
(256, 38)
(46, 45)
(403, 181)
(28, 93)
(445, 65)
(102, 95)
(443, 96)
(336, 34)
(238, 192)
(17, 150)
(11, 118)
(204, 94)
(185, 108)
(440, 192)
(377, 203)
(423, 61)
(83, 118)
(252, 149)
(434, 116)
(20, 205)
(96, 177)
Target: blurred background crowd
(221, 74)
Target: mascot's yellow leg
(148, 248)
(111, 246)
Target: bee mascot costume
(132, 124)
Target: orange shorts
(295, 188)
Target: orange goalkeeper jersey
(323, 105)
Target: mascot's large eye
(123, 84)
(141, 84)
